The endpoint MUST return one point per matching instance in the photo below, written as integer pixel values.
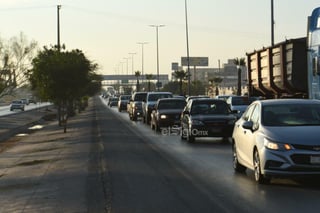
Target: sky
(109, 31)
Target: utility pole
(142, 60)
(187, 39)
(157, 39)
(58, 26)
(132, 62)
(272, 24)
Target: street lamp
(157, 35)
(187, 40)
(142, 43)
(132, 62)
(127, 64)
(58, 26)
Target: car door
(244, 136)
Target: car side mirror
(248, 125)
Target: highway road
(158, 172)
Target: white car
(17, 104)
(278, 138)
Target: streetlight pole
(127, 64)
(157, 35)
(58, 26)
(187, 39)
(272, 24)
(132, 62)
(142, 43)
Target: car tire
(236, 165)
(156, 127)
(182, 134)
(259, 177)
(190, 137)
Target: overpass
(131, 79)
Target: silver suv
(17, 104)
(150, 101)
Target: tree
(240, 62)
(180, 75)
(15, 61)
(137, 74)
(215, 82)
(62, 77)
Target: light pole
(132, 62)
(142, 43)
(157, 35)
(272, 24)
(127, 64)
(58, 26)
(187, 40)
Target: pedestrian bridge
(132, 79)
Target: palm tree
(215, 82)
(180, 75)
(137, 74)
(240, 62)
(149, 77)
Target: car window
(210, 108)
(155, 97)
(140, 97)
(171, 105)
(255, 116)
(248, 112)
(291, 115)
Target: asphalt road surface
(143, 171)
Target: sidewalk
(46, 171)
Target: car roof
(159, 93)
(287, 101)
(171, 99)
(199, 100)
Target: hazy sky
(107, 31)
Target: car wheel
(260, 178)
(225, 139)
(182, 134)
(156, 127)
(236, 165)
(190, 137)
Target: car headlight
(163, 116)
(196, 122)
(277, 146)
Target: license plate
(315, 159)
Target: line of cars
(193, 117)
(273, 138)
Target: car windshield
(291, 115)
(171, 104)
(155, 97)
(140, 97)
(210, 108)
(126, 97)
